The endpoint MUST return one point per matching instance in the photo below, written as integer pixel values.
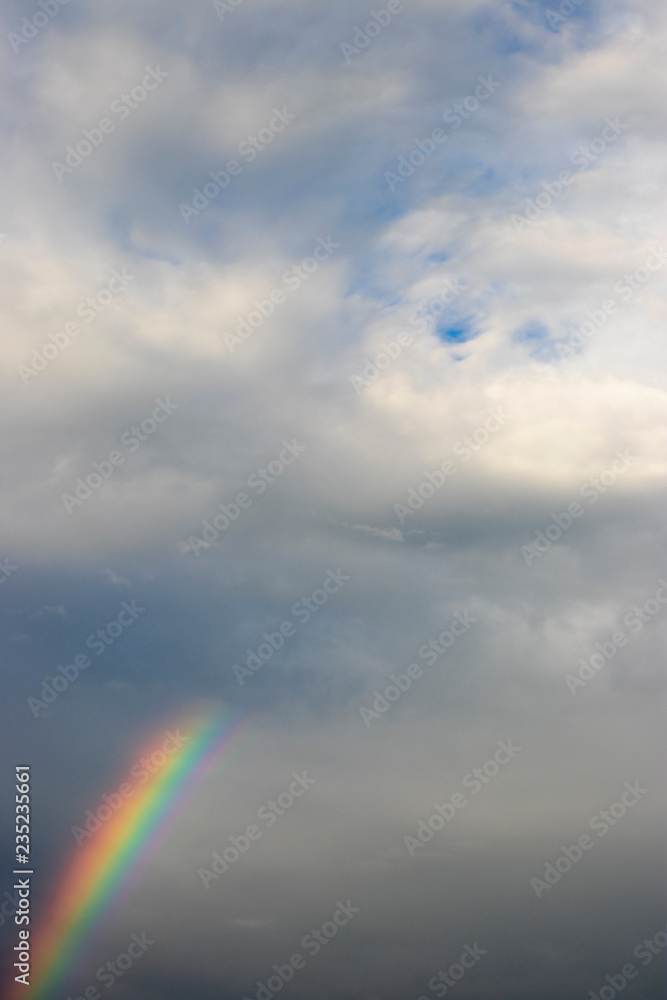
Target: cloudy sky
(394, 382)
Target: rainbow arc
(103, 867)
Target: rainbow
(105, 865)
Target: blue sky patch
(534, 331)
(457, 333)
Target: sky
(333, 382)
